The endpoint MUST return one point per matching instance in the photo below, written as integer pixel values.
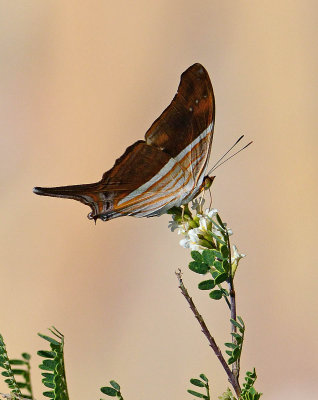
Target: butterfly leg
(182, 214)
(210, 205)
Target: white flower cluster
(199, 231)
(198, 238)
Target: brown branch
(231, 377)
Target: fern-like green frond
(8, 372)
(53, 365)
(21, 368)
(248, 391)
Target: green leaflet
(237, 344)
(216, 294)
(198, 267)
(206, 285)
(113, 391)
(201, 383)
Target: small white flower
(197, 247)
(193, 235)
(197, 204)
(217, 232)
(236, 255)
(202, 229)
(185, 243)
(183, 228)
(210, 213)
(192, 240)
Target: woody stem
(231, 377)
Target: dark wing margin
(191, 111)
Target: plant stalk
(235, 365)
(231, 377)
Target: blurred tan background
(80, 81)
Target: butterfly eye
(207, 182)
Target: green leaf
(218, 265)
(241, 321)
(49, 339)
(17, 362)
(109, 391)
(218, 218)
(237, 324)
(50, 385)
(175, 210)
(231, 345)
(236, 353)
(196, 255)
(237, 337)
(217, 254)
(215, 274)
(217, 238)
(198, 267)
(225, 292)
(228, 352)
(18, 371)
(115, 385)
(206, 285)
(225, 251)
(197, 382)
(196, 394)
(46, 354)
(208, 257)
(218, 226)
(202, 376)
(21, 385)
(49, 394)
(48, 365)
(226, 266)
(231, 360)
(216, 294)
(26, 356)
(49, 377)
(221, 278)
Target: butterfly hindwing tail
(100, 201)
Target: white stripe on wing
(167, 168)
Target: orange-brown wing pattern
(165, 170)
(122, 190)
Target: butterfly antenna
(214, 166)
(217, 165)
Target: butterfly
(167, 169)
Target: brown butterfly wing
(190, 113)
(137, 165)
(154, 175)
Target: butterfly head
(207, 182)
